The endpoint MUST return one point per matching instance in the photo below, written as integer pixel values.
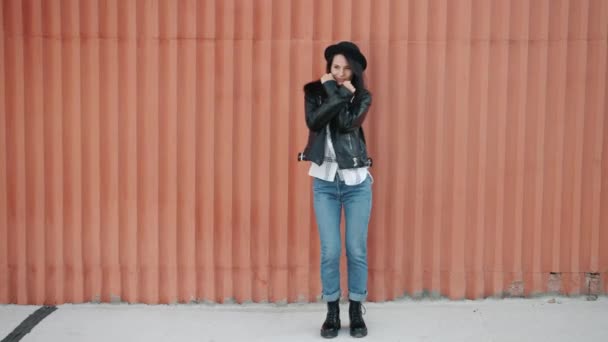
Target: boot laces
(332, 315)
(333, 312)
(358, 312)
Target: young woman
(336, 106)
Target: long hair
(358, 80)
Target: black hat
(347, 49)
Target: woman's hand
(327, 77)
(349, 86)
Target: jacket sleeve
(318, 116)
(352, 119)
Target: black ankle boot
(332, 321)
(357, 325)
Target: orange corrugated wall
(148, 148)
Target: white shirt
(327, 171)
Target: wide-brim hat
(347, 49)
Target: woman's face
(340, 69)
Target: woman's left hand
(348, 85)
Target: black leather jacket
(328, 103)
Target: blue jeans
(329, 198)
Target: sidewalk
(536, 319)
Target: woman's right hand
(327, 77)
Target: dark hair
(358, 81)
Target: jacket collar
(315, 88)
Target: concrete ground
(535, 319)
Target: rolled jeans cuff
(331, 297)
(357, 297)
